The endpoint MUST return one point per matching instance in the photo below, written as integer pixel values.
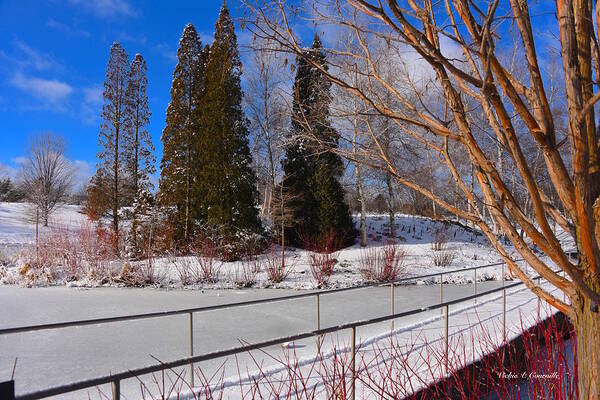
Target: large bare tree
(268, 112)
(47, 174)
(476, 103)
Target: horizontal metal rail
(58, 390)
(158, 314)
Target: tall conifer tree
(138, 145)
(111, 163)
(180, 161)
(227, 183)
(312, 179)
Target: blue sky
(53, 58)
(54, 52)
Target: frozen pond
(56, 357)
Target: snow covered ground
(415, 236)
(57, 357)
(50, 358)
(17, 222)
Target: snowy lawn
(457, 247)
(57, 357)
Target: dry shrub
(397, 368)
(185, 269)
(208, 262)
(321, 267)
(443, 259)
(69, 254)
(440, 238)
(244, 276)
(140, 274)
(384, 264)
(95, 243)
(276, 266)
(328, 242)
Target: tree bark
(587, 328)
(363, 207)
(390, 189)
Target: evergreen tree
(98, 203)
(111, 163)
(227, 183)
(138, 145)
(312, 179)
(180, 163)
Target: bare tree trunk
(363, 207)
(433, 208)
(282, 225)
(269, 140)
(391, 212)
(587, 326)
(134, 222)
(116, 188)
(37, 235)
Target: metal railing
(115, 379)
(315, 294)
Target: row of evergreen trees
(126, 157)
(314, 197)
(206, 179)
(206, 173)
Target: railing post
(392, 297)
(353, 363)
(116, 390)
(191, 319)
(441, 291)
(446, 318)
(318, 305)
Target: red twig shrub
(384, 264)
(208, 261)
(321, 267)
(394, 368)
(184, 267)
(276, 267)
(244, 276)
(440, 238)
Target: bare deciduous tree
(47, 174)
(268, 112)
(460, 44)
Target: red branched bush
(208, 261)
(384, 264)
(276, 266)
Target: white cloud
(19, 160)
(82, 169)
(24, 56)
(140, 39)
(48, 91)
(166, 51)
(107, 8)
(69, 30)
(90, 106)
(92, 95)
(34, 58)
(83, 173)
(7, 171)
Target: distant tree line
(208, 183)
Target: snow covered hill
(429, 246)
